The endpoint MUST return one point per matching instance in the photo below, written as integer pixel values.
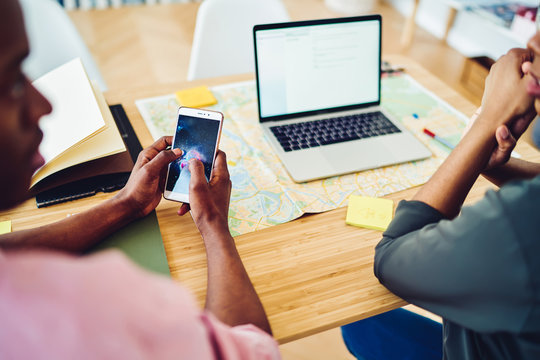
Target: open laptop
(319, 95)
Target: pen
(438, 138)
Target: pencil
(438, 138)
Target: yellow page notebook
(370, 213)
(75, 115)
(81, 127)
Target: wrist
(214, 229)
(477, 146)
(123, 207)
(219, 242)
(494, 118)
(484, 128)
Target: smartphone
(197, 135)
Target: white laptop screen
(319, 66)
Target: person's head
(21, 106)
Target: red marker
(438, 138)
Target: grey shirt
(480, 271)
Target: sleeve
(470, 270)
(243, 342)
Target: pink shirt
(55, 306)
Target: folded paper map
(263, 194)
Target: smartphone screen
(197, 137)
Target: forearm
(230, 294)
(448, 187)
(75, 233)
(514, 169)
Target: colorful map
(263, 194)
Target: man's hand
(507, 104)
(505, 96)
(506, 139)
(144, 188)
(506, 107)
(209, 201)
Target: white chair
(223, 39)
(54, 40)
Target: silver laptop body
(326, 69)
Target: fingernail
(505, 133)
(177, 151)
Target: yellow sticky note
(370, 213)
(5, 227)
(196, 97)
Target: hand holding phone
(197, 135)
(209, 201)
(143, 190)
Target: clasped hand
(507, 106)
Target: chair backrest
(54, 40)
(223, 39)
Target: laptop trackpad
(356, 156)
(337, 159)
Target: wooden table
(312, 274)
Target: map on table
(263, 193)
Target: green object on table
(141, 241)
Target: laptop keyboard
(315, 133)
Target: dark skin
(138, 198)
(21, 107)
(231, 296)
(507, 110)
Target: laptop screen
(316, 66)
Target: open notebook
(79, 130)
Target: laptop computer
(319, 95)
